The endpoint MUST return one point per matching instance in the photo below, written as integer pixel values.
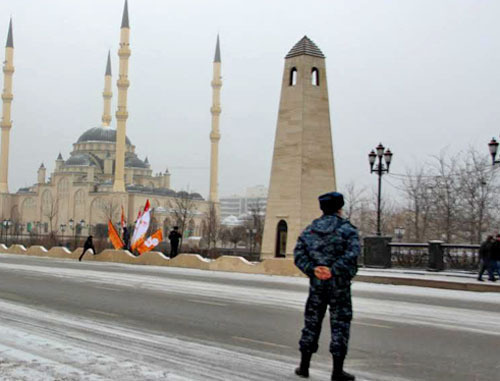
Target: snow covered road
(63, 320)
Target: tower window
(315, 76)
(293, 76)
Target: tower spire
(6, 123)
(217, 51)
(125, 23)
(215, 134)
(107, 94)
(121, 113)
(10, 39)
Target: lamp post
(493, 146)
(379, 169)
(8, 224)
(63, 229)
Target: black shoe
(305, 361)
(344, 376)
(304, 373)
(480, 279)
(492, 280)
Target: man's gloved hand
(322, 272)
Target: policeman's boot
(338, 373)
(303, 369)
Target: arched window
(293, 76)
(281, 236)
(315, 76)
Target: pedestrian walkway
(453, 280)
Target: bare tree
(110, 209)
(255, 224)
(234, 234)
(478, 189)
(211, 226)
(417, 190)
(51, 210)
(182, 208)
(353, 197)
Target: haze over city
(417, 75)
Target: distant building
(239, 206)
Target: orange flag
(114, 237)
(150, 243)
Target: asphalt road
(167, 323)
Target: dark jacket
(495, 251)
(485, 250)
(330, 241)
(88, 245)
(174, 237)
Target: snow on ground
(44, 346)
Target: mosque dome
(135, 162)
(79, 159)
(100, 134)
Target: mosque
(103, 172)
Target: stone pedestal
(436, 256)
(376, 251)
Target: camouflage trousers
(321, 295)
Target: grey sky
(417, 75)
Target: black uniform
(88, 245)
(174, 238)
(485, 258)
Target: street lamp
(399, 232)
(493, 146)
(379, 169)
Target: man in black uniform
(88, 245)
(327, 252)
(174, 238)
(485, 252)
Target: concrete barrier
(193, 261)
(59, 252)
(110, 255)
(233, 264)
(154, 258)
(36, 250)
(16, 249)
(279, 266)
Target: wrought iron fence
(416, 255)
(412, 255)
(461, 257)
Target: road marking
(372, 325)
(103, 313)
(260, 342)
(107, 288)
(207, 302)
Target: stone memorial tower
(303, 165)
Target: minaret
(302, 167)
(215, 134)
(6, 124)
(121, 113)
(107, 94)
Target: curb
(447, 285)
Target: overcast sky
(417, 75)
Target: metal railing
(461, 257)
(412, 255)
(444, 256)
